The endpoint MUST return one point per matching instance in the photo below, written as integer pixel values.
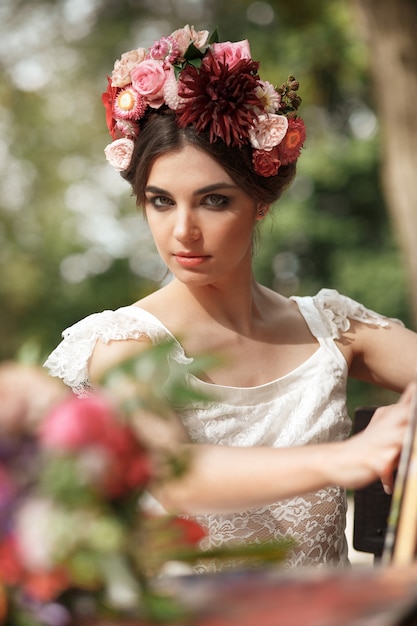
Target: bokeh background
(72, 241)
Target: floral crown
(212, 86)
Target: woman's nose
(186, 226)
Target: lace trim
(338, 310)
(315, 521)
(69, 361)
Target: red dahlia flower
(290, 146)
(220, 99)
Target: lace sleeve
(337, 311)
(69, 361)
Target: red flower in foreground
(290, 146)
(11, 568)
(126, 474)
(42, 586)
(45, 586)
(190, 532)
(220, 99)
(266, 162)
(108, 98)
(79, 425)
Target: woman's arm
(229, 479)
(386, 357)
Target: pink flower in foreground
(187, 35)
(81, 426)
(129, 105)
(268, 131)
(166, 49)
(171, 97)
(78, 422)
(128, 129)
(119, 153)
(229, 53)
(148, 79)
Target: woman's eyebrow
(159, 190)
(214, 187)
(197, 192)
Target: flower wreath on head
(212, 86)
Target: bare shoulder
(108, 355)
(386, 356)
(284, 314)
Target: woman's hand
(26, 393)
(377, 449)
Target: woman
(207, 147)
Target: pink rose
(268, 131)
(231, 52)
(266, 162)
(77, 423)
(119, 153)
(187, 35)
(113, 458)
(122, 68)
(148, 78)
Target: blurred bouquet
(77, 541)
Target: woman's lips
(190, 261)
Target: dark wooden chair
(371, 504)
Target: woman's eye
(216, 201)
(160, 202)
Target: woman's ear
(262, 211)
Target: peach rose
(268, 132)
(231, 52)
(122, 68)
(119, 153)
(148, 78)
(187, 35)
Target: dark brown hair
(160, 134)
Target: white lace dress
(307, 405)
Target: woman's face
(201, 221)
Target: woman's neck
(235, 306)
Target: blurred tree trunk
(390, 27)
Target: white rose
(123, 66)
(268, 131)
(119, 153)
